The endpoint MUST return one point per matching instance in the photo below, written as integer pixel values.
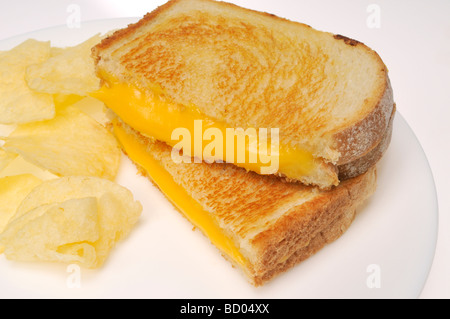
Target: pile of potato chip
(59, 201)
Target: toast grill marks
(238, 64)
(185, 67)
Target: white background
(413, 38)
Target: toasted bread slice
(328, 95)
(262, 224)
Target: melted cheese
(193, 211)
(153, 116)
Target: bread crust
(371, 158)
(371, 129)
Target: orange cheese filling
(153, 116)
(193, 211)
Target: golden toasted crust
(331, 94)
(276, 224)
(126, 32)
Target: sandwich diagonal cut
(263, 225)
(329, 96)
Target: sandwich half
(262, 224)
(209, 62)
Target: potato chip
(115, 224)
(19, 104)
(94, 108)
(19, 166)
(13, 189)
(61, 232)
(69, 71)
(54, 51)
(117, 210)
(57, 129)
(5, 130)
(61, 189)
(63, 100)
(6, 158)
(72, 143)
(89, 105)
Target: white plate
(392, 240)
